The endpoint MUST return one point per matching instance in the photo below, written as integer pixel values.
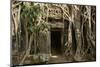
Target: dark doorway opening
(56, 42)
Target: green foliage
(33, 12)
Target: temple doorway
(56, 42)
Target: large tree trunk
(27, 51)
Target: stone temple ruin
(71, 35)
